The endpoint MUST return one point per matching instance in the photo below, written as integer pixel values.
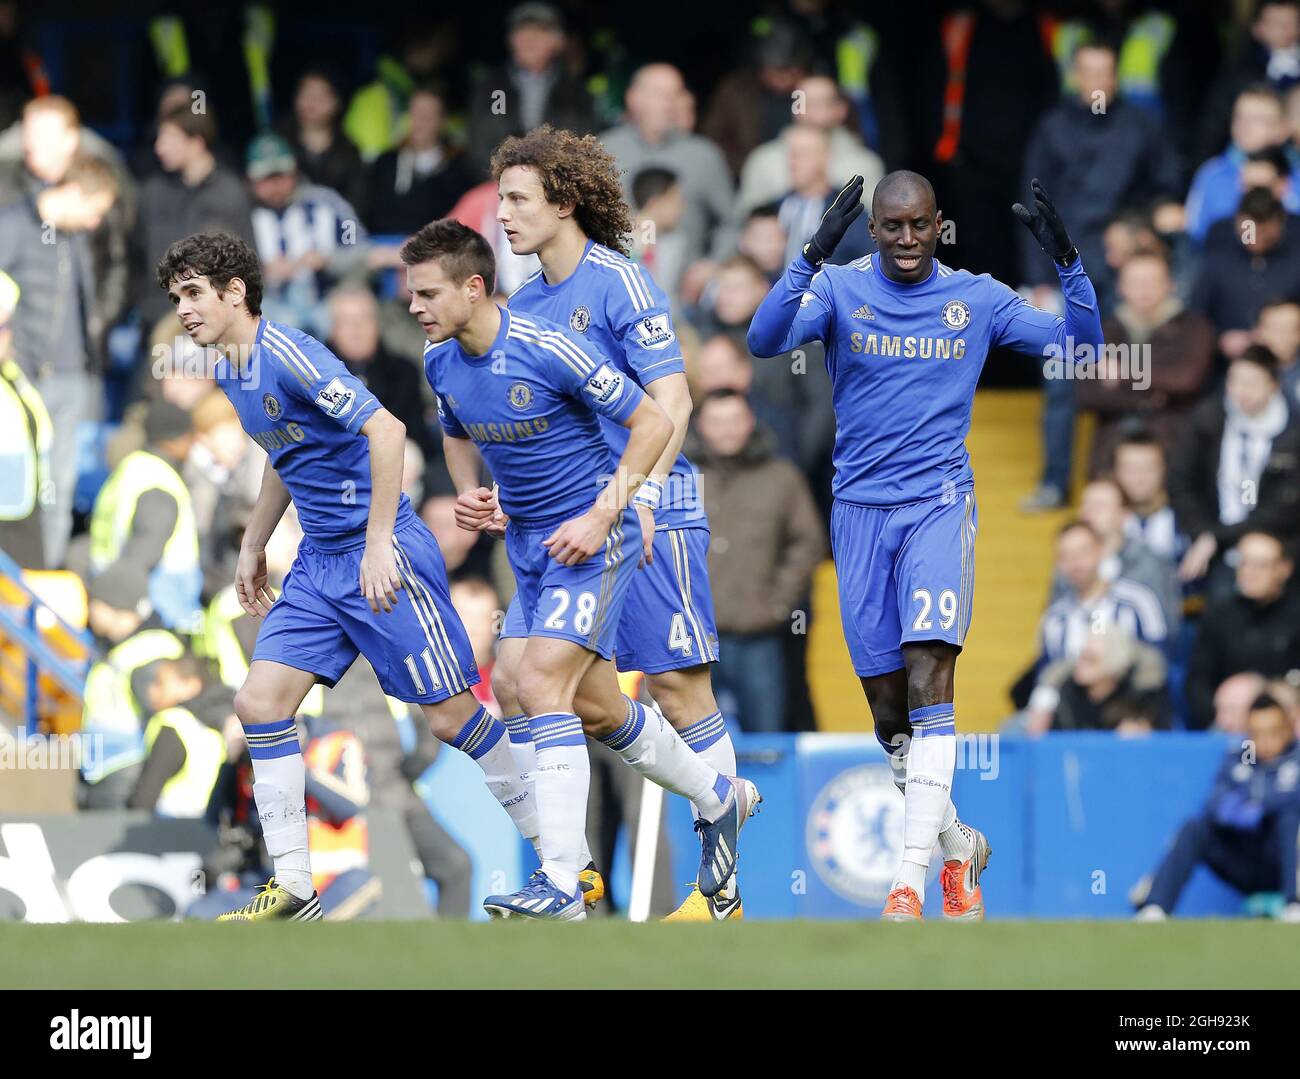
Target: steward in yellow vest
(143, 518)
(184, 740)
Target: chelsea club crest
(956, 315)
(271, 406)
(521, 396)
(580, 320)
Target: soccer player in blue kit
(521, 395)
(560, 199)
(368, 577)
(906, 338)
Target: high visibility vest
(175, 583)
(187, 793)
(1137, 69)
(111, 714)
(219, 644)
(957, 31)
(25, 436)
(377, 118)
(334, 848)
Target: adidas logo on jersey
(864, 312)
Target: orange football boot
(963, 901)
(903, 905)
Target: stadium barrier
(1075, 820)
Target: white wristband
(648, 495)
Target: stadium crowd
(1167, 134)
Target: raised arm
(1019, 326)
(796, 311)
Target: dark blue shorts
(906, 573)
(321, 621)
(581, 603)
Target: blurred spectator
(1249, 260)
(1114, 681)
(467, 554)
(1278, 329)
(1286, 691)
(398, 383)
(1271, 58)
(144, 519)
(657, 240)
(649, 136)
(1124, 555)
(131, 637)
(1258, 126)
(1091, 603)
(762, 238)
(1170, 354)
(1139, 468)
(39, 152)
(800, 210)
(325, 155)
(58, 327)
(479, 608)
(1238, 469)
(531, 89)
(819, 104)
(422, 178)
(977, 114)
(417, 48)
(1256, 629)
(184, 743)
(796, 382)
(1248, 835)
(722, 364)
(767, 539)
(308, 237)
(1232, 701)
(752, 104)
(1095, 155)
(192, 194)
(220, 513)
(25, 436)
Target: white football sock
(649, 744)
(712, 744)
(525, 756)
(561, 780)
(956, 840)
(279, 778)
(484, 740)
(931, 760)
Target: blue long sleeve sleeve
(793, 313)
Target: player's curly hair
(218, 256)
(573, 169)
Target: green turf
(606, 954)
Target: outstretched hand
(1046, 225)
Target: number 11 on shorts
(427, 656)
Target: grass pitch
(615, 954)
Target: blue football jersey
(904, 361)
(613, 304)
(299, 403)
(533, 405)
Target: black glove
(1046, 225)
(839, 215)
